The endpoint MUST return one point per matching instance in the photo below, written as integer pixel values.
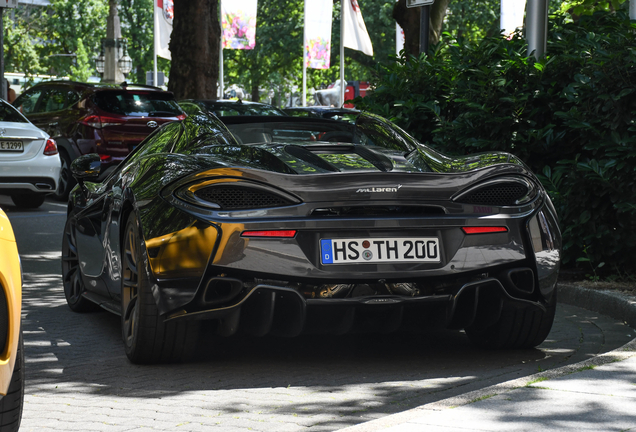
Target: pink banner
(238, 24)
(318, 16)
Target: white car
(29, 160)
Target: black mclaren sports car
(270, 225)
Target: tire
(518, 327)
(66, 182)
(11, 404)
(28, 200)
(147, 337)
(71, 275)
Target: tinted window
(52, 100)
(71, 97)
(138, 103)
(9, 114)
(27, 101)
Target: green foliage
(137, 27)
(83, 67)
(20, 50)
(588, 7)
(276, 61)
(66, 22)
(571, 117)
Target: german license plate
(15, 146)
(379, 250)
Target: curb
(611, 303)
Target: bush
(571, 117)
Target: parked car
(344, 114)
(281, 225)
(29, 160)
(222, 108)
(11, 345)
(107, 119)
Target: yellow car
(12, 352)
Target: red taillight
(99, 122)
(483, 230)
(50, 149)
(272, 233)
(105, 158)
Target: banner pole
(154, 36)
(221, 72)
(342, 62)
(305, 56)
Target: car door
(50, 109)
(27, 104)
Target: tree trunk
(409, 20)
(194, 47)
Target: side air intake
(508, 191)
(239, 197)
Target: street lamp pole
(113, 46)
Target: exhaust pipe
(220, 290)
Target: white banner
(318, 17)
(512, 13)
(164, 14)
(238, 24)
(399, 39)
(355, 32)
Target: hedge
(571, 117)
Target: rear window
(138, 104)
(9, 114)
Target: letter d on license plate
(379, 250)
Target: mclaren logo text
(379, 189)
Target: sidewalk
(595, 395)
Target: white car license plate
(15, 146)
(379, 250)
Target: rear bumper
(282, 311)
(39, 176)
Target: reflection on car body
(265, 225)
(11, 344)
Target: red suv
(108, 119)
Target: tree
(475, 19)
(409, 20)
(276, 59)
(138, 28)
(194, 47)
(20, 49)
(65, 23)
(82, 69)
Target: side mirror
(86, 167)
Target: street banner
(355, 32)
(512, 13)
(164, 14)
(318, 16)
(399, 39)
(238, 24)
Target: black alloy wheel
(71, 274)
(147, 337)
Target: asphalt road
(78, 377)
